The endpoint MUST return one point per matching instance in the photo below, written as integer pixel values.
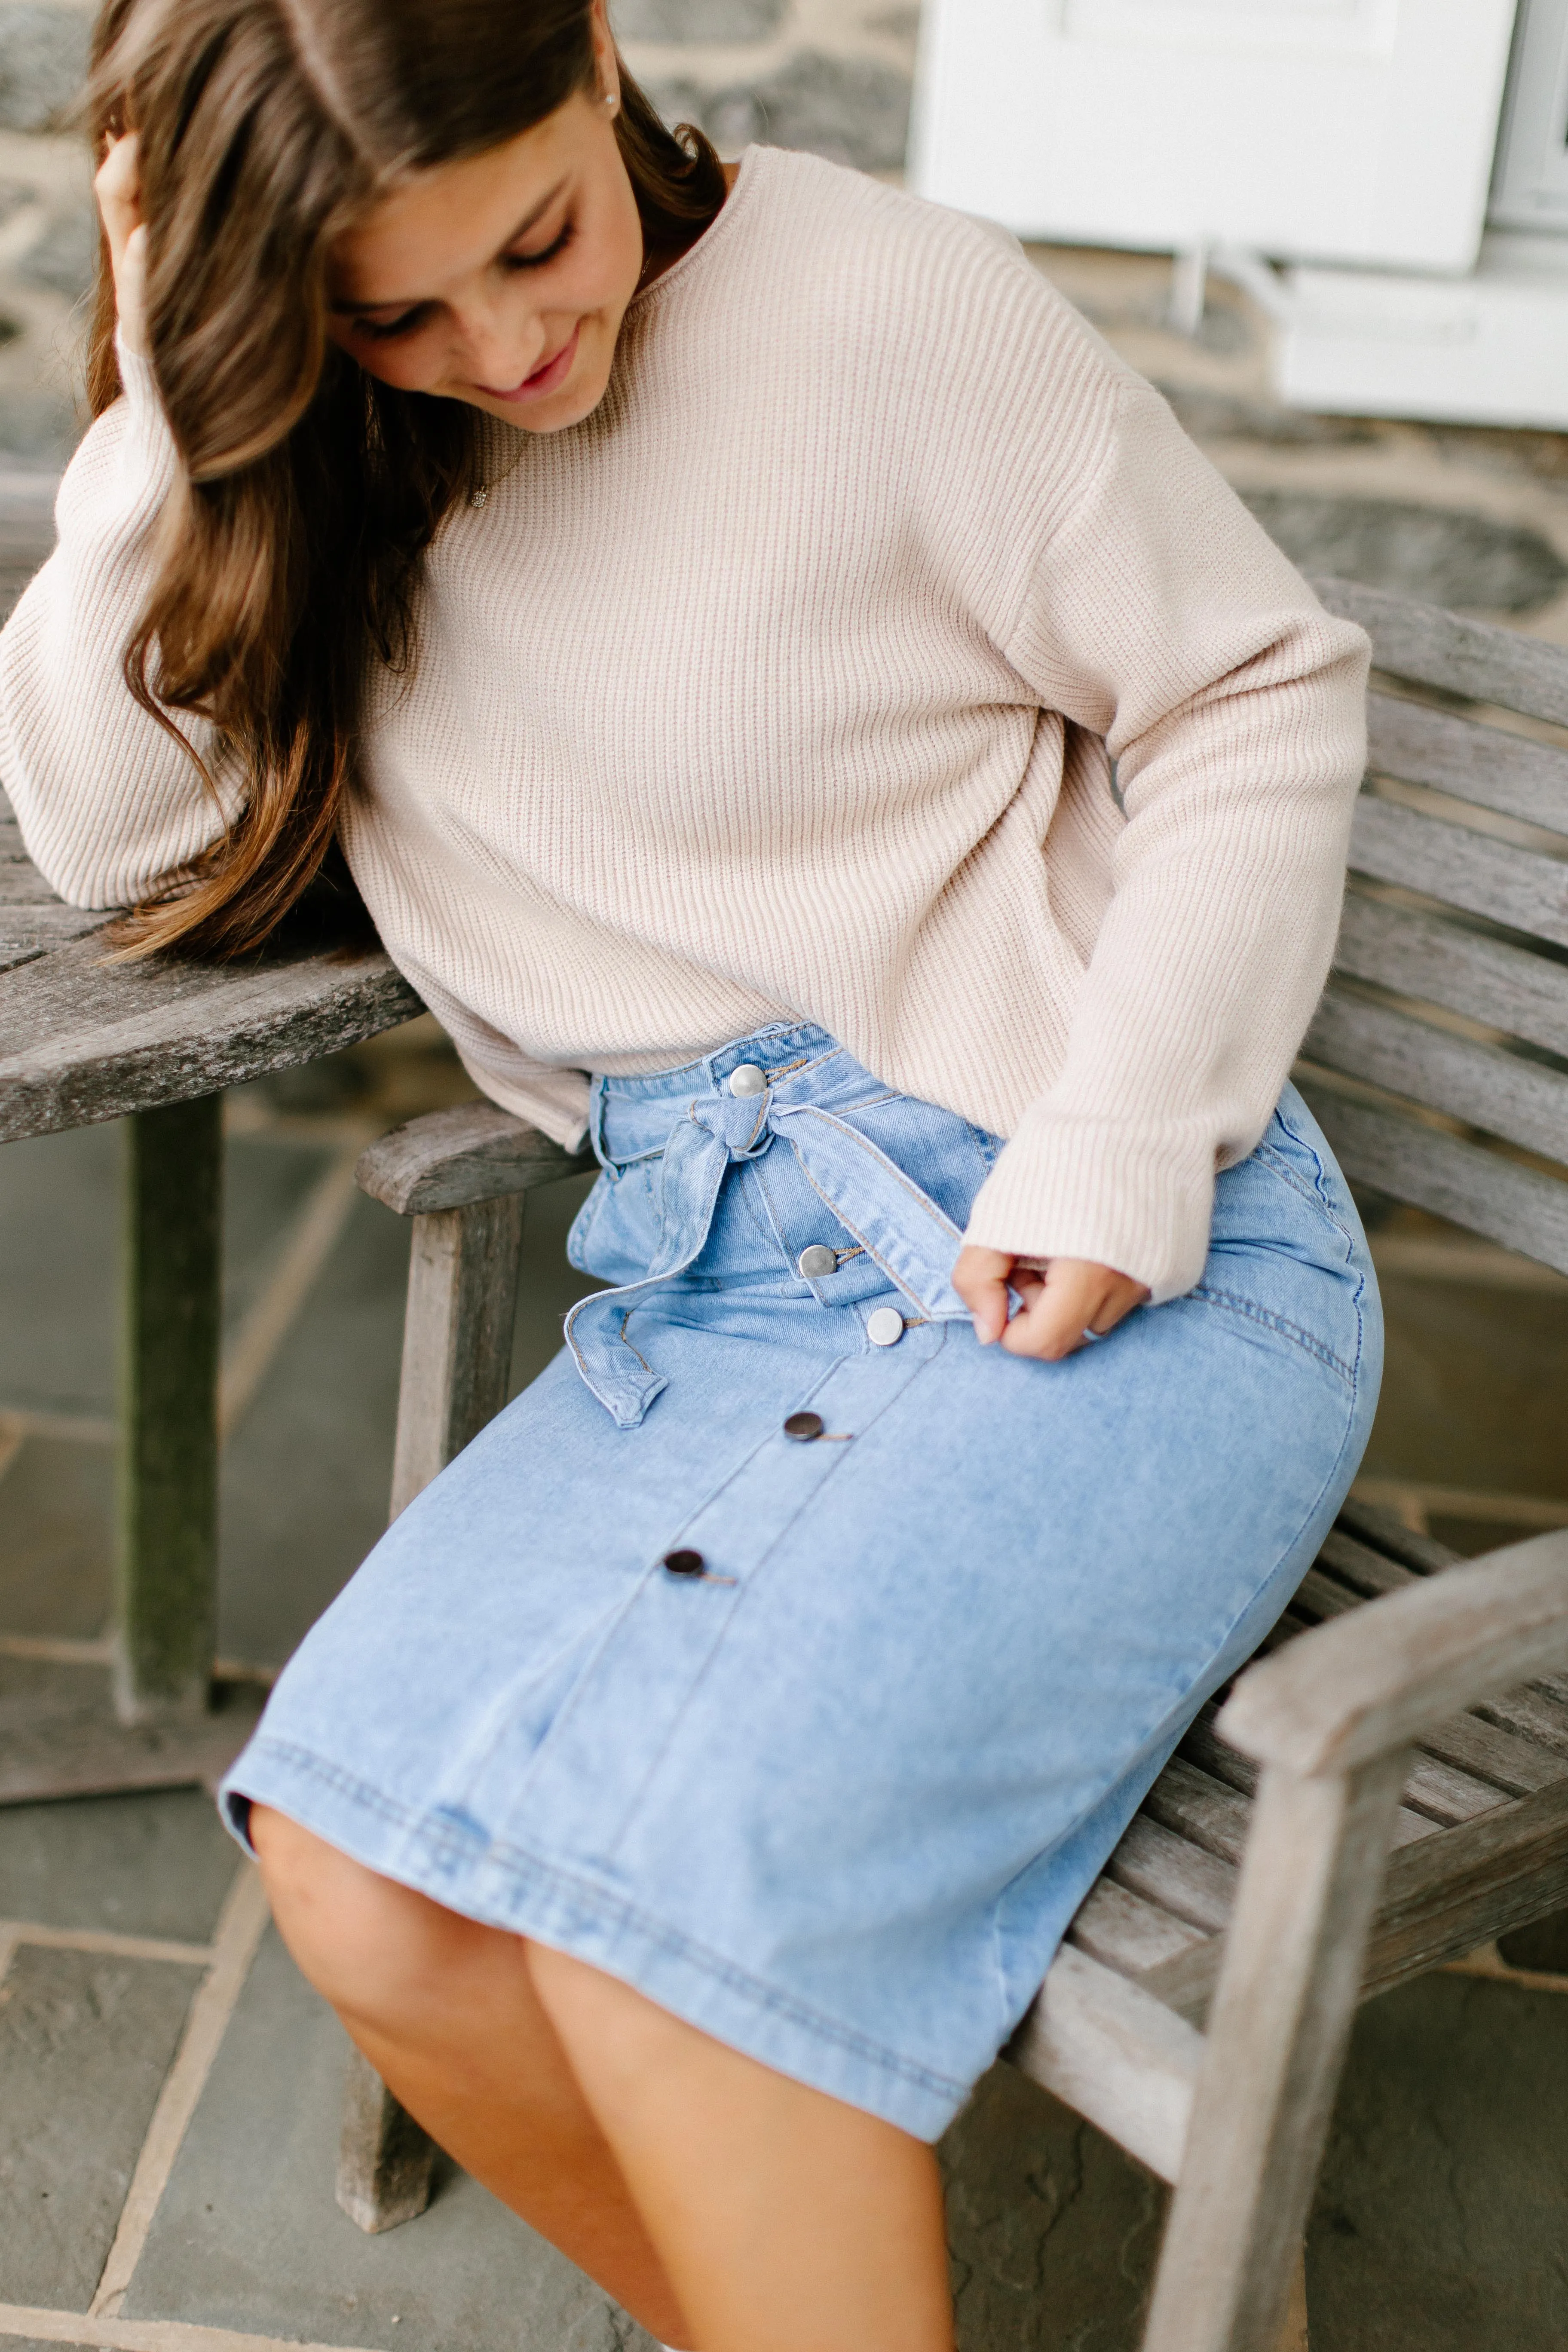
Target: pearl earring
(611, 100)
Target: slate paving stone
(157, 1864)
(59, 1211)
(1445, 556)
(547, 1285)
(306, 1476)
(266, 1183)
(1439, 2225)
(853, 110)
(1052, 2232)
(56, 1532)
(85, 2043)
(248, 2237)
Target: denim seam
(1071, 1829)
(516, 1863)
(1318, 1190)
(745, 1584)
(1287, 1329)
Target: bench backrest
(1438, 1059)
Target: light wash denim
(836, 1797)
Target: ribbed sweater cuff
(149, 446)
(1095, 1191)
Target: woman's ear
(607, 76)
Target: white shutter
(1357, 131)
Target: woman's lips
(543, 379)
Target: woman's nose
(498, 351)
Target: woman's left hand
(1061, 1307)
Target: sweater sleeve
(106, 799)
(1160, 616)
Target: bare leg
(724, 2204)
(787, 2221)
(446, 2012)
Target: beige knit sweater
(788, 685)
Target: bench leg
(456, 1358)
(385, 2158)
(166, 1564)
(1282, 2018)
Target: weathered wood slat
(1420, 745)
(1435, 1785)
(456, 1337)
(1440, 1898)
(1483, 1878)
(1114, 2056)
(1531, 1714)
(1518, 1206)
(1201, 1810)
(1425, 955)
(1519, 1100)
(1434, 647)
(1368, 1682)
(1178, 1876)
(1365, 1567)
(1462, 1767)
(1203, 1746)
(450, 1159)
(1375, 1528)
(1463, 869)
(1127, 1932)
(83, 1040)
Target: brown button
(684, 1563)
(804, 1425)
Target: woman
(802, 715)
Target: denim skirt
(781, 1650)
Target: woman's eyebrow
(412, 302)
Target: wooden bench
(1387, 1789)
(83, 1039)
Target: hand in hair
(118, 187)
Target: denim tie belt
(898, 1225)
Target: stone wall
(830, 75)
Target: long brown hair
(307, 492)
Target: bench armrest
(452, 1158)
(1368, 1682)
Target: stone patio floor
(168, 2085)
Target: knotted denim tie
(896, 1225)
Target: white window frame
(1531, 190)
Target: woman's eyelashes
(386, 331)
(538, 260)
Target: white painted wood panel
(1344, 130)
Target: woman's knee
(376, 1950)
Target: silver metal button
(748, 1080)
(816, 1260)
(885, 1329)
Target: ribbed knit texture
(784, 687)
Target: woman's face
(502, 281)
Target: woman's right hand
(118, 187)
